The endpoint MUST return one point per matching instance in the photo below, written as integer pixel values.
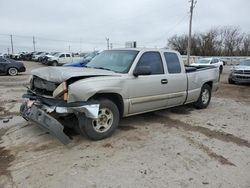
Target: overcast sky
(149, 22)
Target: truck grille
(42, 87)
(242, 72)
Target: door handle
(164, 81)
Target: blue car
(82, 63)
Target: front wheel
(230, 81)
(54, 63)
(105, 125)
(12, 71)
(204, 98)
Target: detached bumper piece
(38, 109)
(44, 121)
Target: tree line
(221, 41)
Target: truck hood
(60, 74)
(240, 67)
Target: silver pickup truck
(115, 84)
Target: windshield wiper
(101, 68)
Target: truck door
(61, 59)
(176, 88)
(68, 58)
(147, 92)
(3, 65)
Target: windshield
(245, 62)
(203, 61)
(114, 60)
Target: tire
(54, 63)
(221, 69)
(204, 98)
(106, 123)
(12, 71)
(230, 81)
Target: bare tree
(231, 38)
(178, 43)
(227, 41)
(246, 45)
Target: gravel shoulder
(178, 147)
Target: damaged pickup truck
(115, 84)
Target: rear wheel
(105, 125)
(204, 98)
(54, 63)
(12, 71)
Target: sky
(81, 25)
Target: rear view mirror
(142, 70)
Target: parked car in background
(45, 58)
(81, 63)
(240, 73)
(42, 56)
(11, 67)
(37, 55)
(61, 59)
(210, 61)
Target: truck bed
(190, 68)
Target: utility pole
(34, 44)
(11, 41)
(8, 50)
(107, 39)
(69, 48)
(190, 30)
(80, 45)
(111, 46)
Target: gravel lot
(178, 147)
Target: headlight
(61, 90)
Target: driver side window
(63, 55)
(152, 60)
(214, 61)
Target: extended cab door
(61, 59)
(68, 58)
(176, 88)
(147, 92)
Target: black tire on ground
(230, 81)
(221, 69)
(106, 123)
(204, 98)
(12, 71)
(54, 63)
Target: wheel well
(114, 97)
(210, 83)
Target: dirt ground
(178, 147)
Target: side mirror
(142, 70)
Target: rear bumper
(40, 109)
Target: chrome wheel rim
(205, 96)
(104, 121)
(12, 71)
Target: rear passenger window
(153, 60)
(67, 55)
(173, 62)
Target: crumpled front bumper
(39, 110)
